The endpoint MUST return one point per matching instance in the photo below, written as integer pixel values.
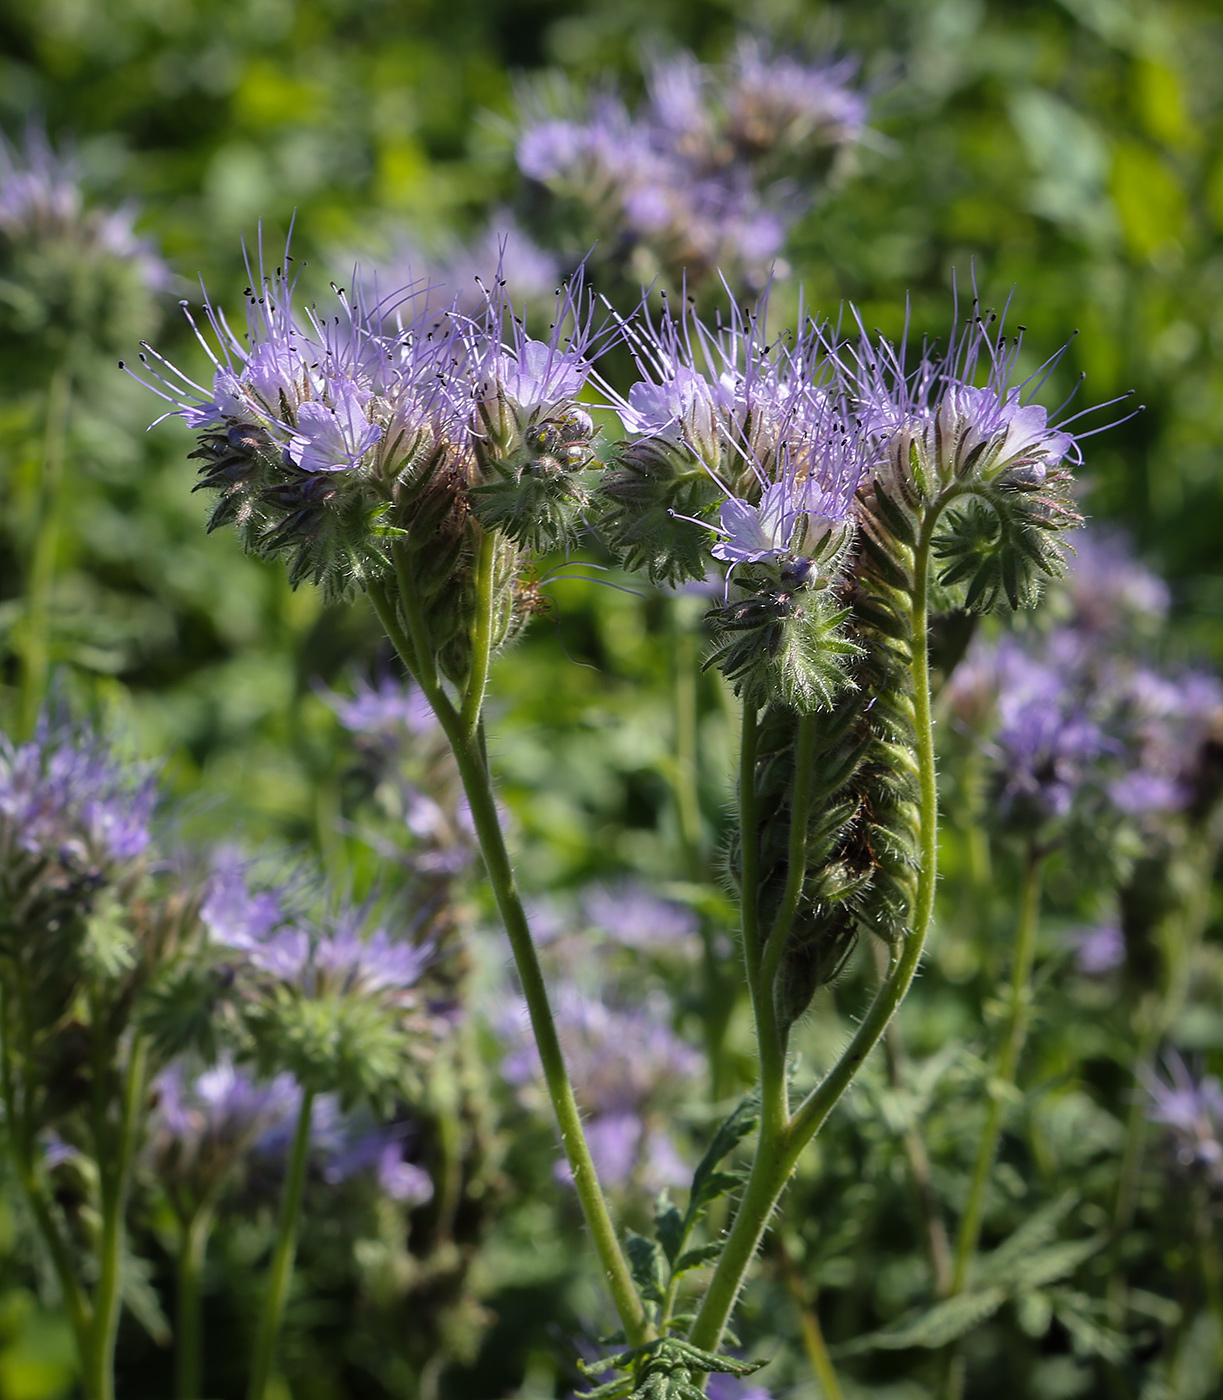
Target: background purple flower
(633, 916)
(64, 796)
(626, 1065)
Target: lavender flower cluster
(78, 278)
(710, 172)
(1070, 712)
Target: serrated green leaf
(708, 1183)
(648, 1266)
(694, 1258)
(1038, 1230)
(669, 1227)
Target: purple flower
(385, 710)
(370, 390)
(65, 799)
(631, 915)
(379, 1150)
(1044, 748)
(41, 202)
(1192, 1111)
(958, 408)
(688, 180)
(204, 1123)
(333, 436)
(760, 416)
(626, 1064)
(780, 100)
(344, 957)
(1098, 950)
(520, 380)
(1168, 724)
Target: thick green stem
(482, 635)
(478, 787)
(796, 868)
(188, 1331)
(469, 753)
(282, 1259)
(777, 1154)
(35, 648)
(116, 1181)
(749, 850)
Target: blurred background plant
(1071, 149)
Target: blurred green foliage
(1071, 150)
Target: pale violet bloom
(332, 438)
(758, 533)
(685, 405)
(539, 374)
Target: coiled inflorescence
(851, 494)
(383, 443)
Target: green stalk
(469, 755)
(116, 1181)
(188, 1330)
(1002, 1081)
(281, 1271)
(749, 852)
(35, 649)
(778, 1153)
(684, 768)
(482, 635)
(796, 867)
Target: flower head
(81, 281)
(689, 181)
(1192, 1112)
(204, 1123)
(66, 800)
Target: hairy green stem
(35, 648)
(749, 851)
(281, 1271)
(777, 1153)
(116, 1182)
(470, 756)
(482, 635)
(188, 1330)
(796, 867)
